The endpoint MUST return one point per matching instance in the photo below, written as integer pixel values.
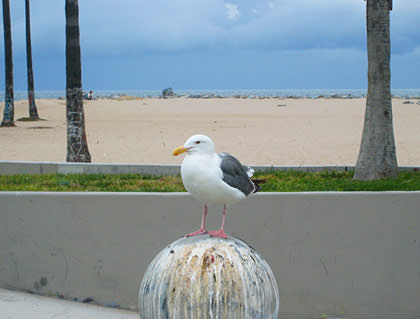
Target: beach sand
(266, 131)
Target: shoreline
(241, 93)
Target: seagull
(213, 178)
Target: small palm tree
(9, 108)
(77, 148)
(33, 112)
(377, 157)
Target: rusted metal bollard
(204, 277)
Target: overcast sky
(213, 44)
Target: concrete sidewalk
(18, 305)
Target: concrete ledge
(18, 305)
(35, 168)
(341, 254)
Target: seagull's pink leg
(221, 232)
(202, 229)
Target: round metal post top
(204, 277)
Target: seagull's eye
(197, 142)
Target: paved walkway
(18, 305)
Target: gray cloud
(138, 26)
(214, 43)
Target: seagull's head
(196, 144)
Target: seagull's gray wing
(235, 174)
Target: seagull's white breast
(203, 178)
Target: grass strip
(276, 181)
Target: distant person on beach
(90, 95)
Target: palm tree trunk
(33, 112)
(77, 148)
(377, 157)
(9, 107)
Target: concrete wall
(35, 168)
(355, 255)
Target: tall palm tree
(77, 148)
(377, 157)
(33, 112)
(9, 107)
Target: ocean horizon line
(246, 93)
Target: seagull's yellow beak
(179, 150)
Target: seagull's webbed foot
(201, 231)
(221, 232)
(218, 233)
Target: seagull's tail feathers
(249, 170)
(257, 183)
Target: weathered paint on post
(204, 277)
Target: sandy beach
(266, 131)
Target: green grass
(91, 183)
(293, 181)
(290, 181)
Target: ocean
(295, 93)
